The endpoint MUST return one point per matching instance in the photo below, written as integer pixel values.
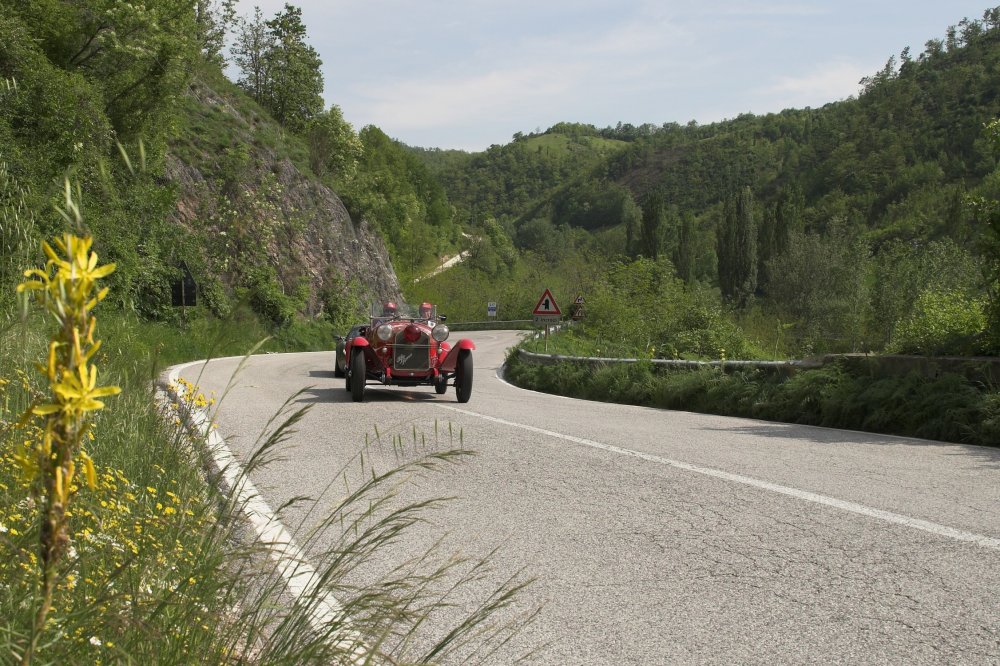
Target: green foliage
(262, 291)
(505, 181)
(398, 194)
(641, 306)
(17, 237)
(941, 323)
(53, 119)
(940, 266)
(592, 204)
(948, 407)
(278, 68)
(463, 291)
(59, 120)
(342, 301)
(651, 230)
(986, 207)
(137, 56)
(215, 18)
(491, 250)
(818, 284)
(334, 148)
(737, 248)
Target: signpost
(546, 311)
(184, 291)
(491, 310)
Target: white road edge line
(300, 577)
(853, 507)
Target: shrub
(942, 322)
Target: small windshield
(395, 310)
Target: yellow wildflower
(79, 392)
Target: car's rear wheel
(357, 376)
(463, 376)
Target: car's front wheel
(357, 377)
(441, 385)
(463, 376)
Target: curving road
(660, 537)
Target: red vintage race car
(405, 346)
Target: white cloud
(826, 83)
(472, 72)
(424, 103)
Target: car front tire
(463, 377)
(357, 377)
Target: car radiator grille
(411, 356)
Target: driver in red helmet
(426, 311)
(389, 309)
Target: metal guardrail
(491, 325)
(982, 370)
(595, 361)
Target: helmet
(425, 310)
(389, 309)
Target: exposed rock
(265, 199)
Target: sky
(467, 74)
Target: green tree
(651, 236)
(294, 94)
(941, 266)
(491, 250)
(941, 322)
(987, 209)
(214, 19)
(684, 256)
(334, 148)
(820, 285)
(737, 248)
(253, 43)
(278, 68)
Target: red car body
(408, 349)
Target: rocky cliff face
(246, 203)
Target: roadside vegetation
(948, 407)
(117, 547)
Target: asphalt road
(654, 537)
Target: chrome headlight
(440, 333)
(384, 332)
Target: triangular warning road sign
(547, 305)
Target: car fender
(352, 344)
(450, 360)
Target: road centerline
(825, 500)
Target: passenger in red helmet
(426, 310)
(389, 309)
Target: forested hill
(894, 162)
(866, 223)
(504, 180)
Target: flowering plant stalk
(67, 288)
